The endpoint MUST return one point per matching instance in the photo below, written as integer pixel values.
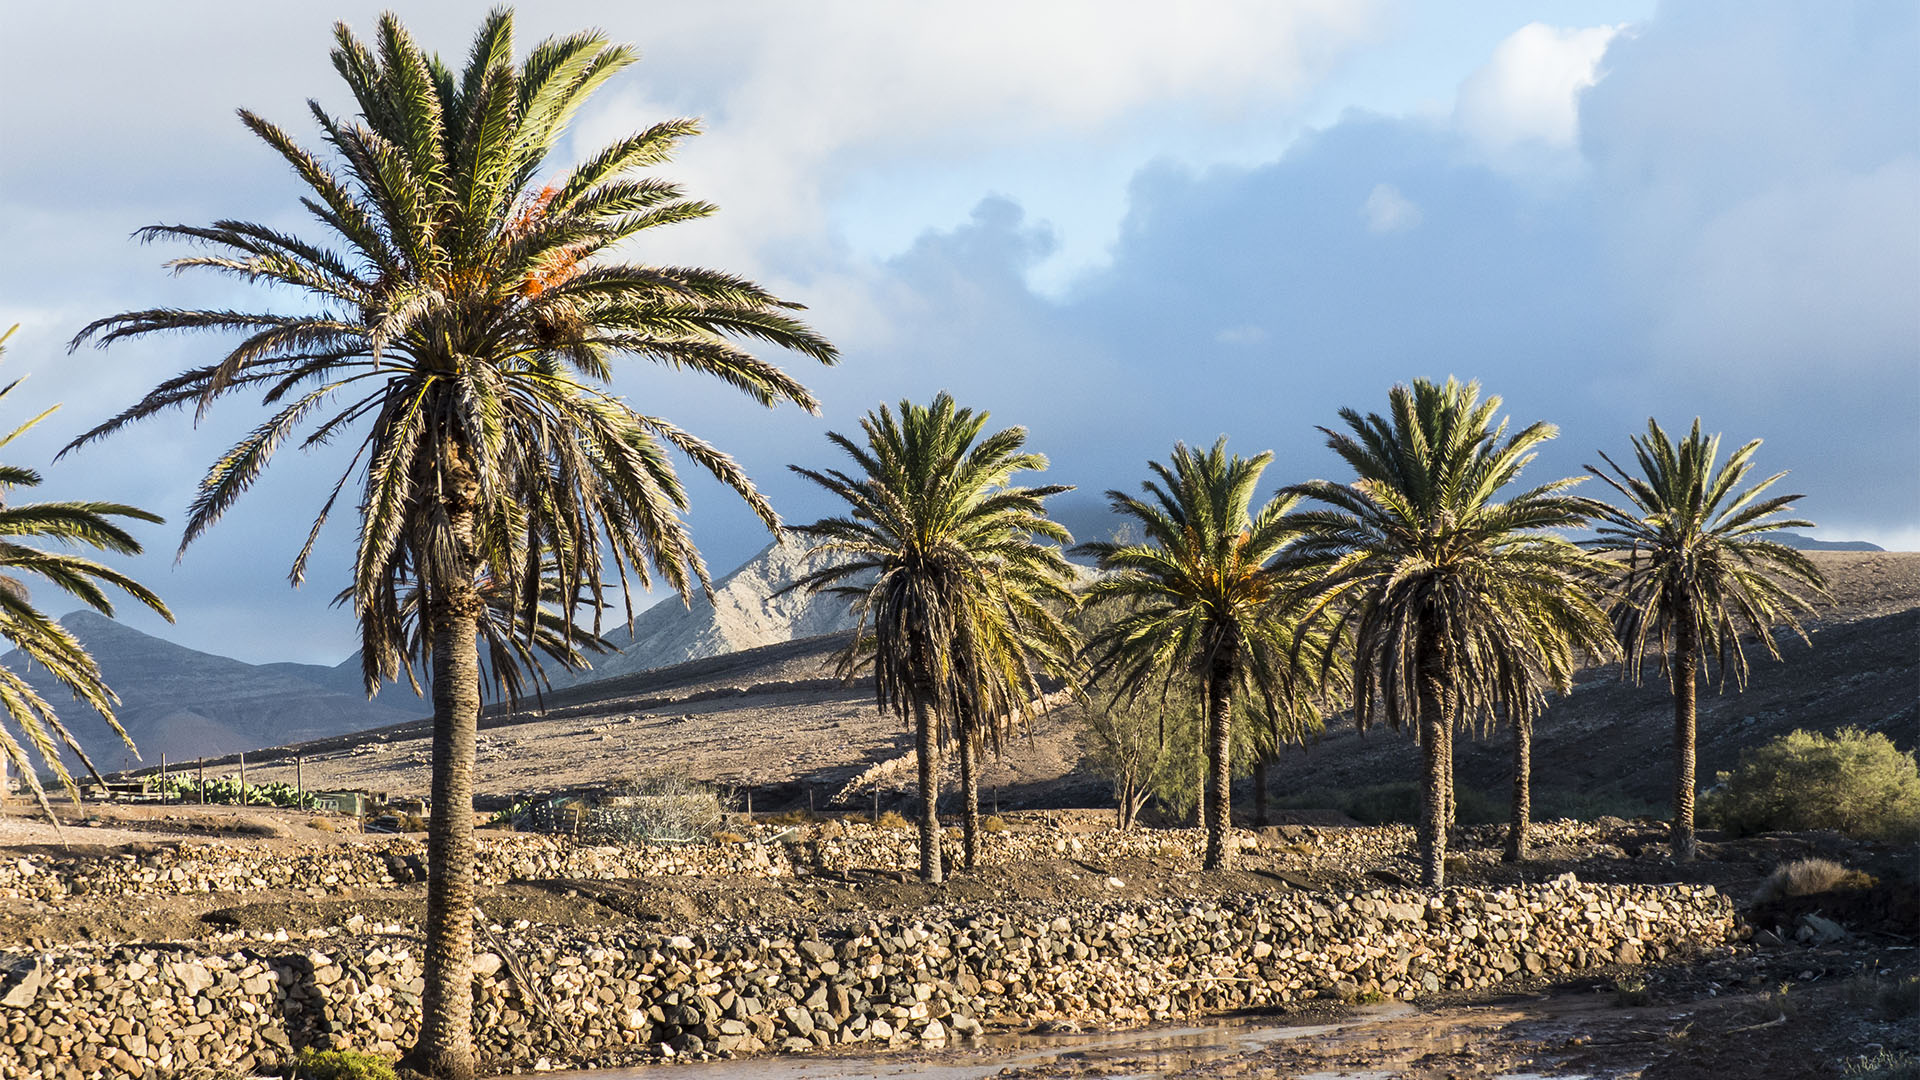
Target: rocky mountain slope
(744, 613)
(184, 703)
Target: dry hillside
(776, 720)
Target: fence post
(200, 764)
(163, 779)
(299, 776)
(241, 799)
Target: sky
(1118, 224)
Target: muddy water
(1145, 1052)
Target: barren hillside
(776, 719)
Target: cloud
(1388, 211)
(1779, 298)
(1530, 90)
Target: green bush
(1853, 781)
(341, 1065)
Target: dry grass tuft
(893, 820)
(1809, 877)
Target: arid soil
(1806, 1011)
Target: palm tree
(1202, 598)
(1695, 573)
(1007, 642)
(460, 316)
(1459, 606)
(960, 579)
(42, 640)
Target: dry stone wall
(600, 998)
(767, 851)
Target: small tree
(1137, 744)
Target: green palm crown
(1205, 597)
(955, 572)
(1693, 549)
(462, 316)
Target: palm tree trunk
(445, 1049)
(1260, 792)
(1219, 810)
(1686, 670)
(1522, 790)
(969, 798)
(927, 752)
(1436, 747)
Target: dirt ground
(1803, 1011)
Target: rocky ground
(1807, 1006)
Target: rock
(1819, 930)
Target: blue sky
(1088, 218)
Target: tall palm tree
(1459, 605)
(43, 640)
(955, 573)
(1202, 597)
(1695, 572)
(460, 317)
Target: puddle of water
(1152, 1049)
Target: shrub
(892, 820)
(666, 807)
(993, 823)
(1853, 781)
(341, 1065)
(1807, 877)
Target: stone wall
(767, 851)
(598, 998)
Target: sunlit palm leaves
(460, 313)
(1696, 572)
(955, 574)
(1203, 598)
(1460, 606)
(41, 639)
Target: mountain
(744, 613)
(185, 704)
(1808, 543)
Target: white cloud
(1388, 211)
(803, 99)
(1530, 90)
